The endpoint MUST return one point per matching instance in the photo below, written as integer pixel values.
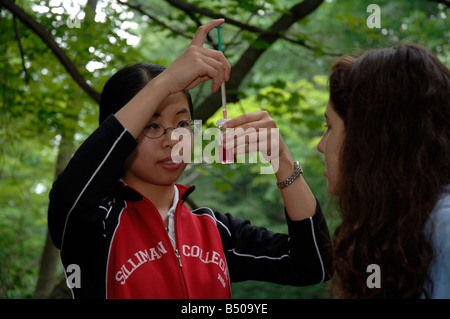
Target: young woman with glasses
(117, 212)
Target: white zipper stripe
(109, 249)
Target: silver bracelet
(288, 181)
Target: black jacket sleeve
(89, 176)
(299, 258)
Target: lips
(170, 164)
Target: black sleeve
(89, 176)
(299, 258)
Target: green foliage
(25, 180)
(40, 103)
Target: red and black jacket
(117, 237)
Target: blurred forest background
(56, 55)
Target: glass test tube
(225, 156)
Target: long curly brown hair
(395, 159)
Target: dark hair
(394, 161)
(126, 83)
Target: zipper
(179, 257)
(177, 238)
(174, 249)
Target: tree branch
(445, 2)
(40, 31)
(248, 59)
(22, 54)
(189, 8)
(139, 9)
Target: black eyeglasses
(155, 130)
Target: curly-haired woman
(387, 158)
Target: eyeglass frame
(191, 129)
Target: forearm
(298, 199)
(137, 112)
(195, 65)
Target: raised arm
(98, 163)
(195, 65)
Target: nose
(170, 139)
(321, 144)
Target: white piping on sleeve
(267, 257)
(317, 249)
(229, 233)
(211, 216)
(257, 257)
(87, 184)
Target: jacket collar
(126, 192)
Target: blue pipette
(222, 87)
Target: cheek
(130, 160)
(145, 149)
(332, 146)
(143, 154)
(333, 158)
(331, 152)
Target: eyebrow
(183, 111)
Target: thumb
(202, 32)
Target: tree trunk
(48, 269)
(50, 257)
